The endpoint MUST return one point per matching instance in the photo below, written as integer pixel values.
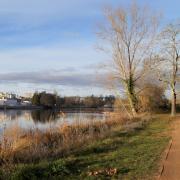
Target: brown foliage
(152, 98)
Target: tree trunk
(131, 96)
(132, 102)
(173, 102)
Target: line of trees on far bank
(49, 100)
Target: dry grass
(28, 146)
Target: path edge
(164, 158)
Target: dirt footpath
(172, 164)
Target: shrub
(152, 98)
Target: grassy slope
(135, 155)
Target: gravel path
(172, 164)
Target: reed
(29, 146)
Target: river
(43, 119)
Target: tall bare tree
(169, 60)
(130, 33)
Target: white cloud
(54, 57)
(56, 77)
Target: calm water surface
(43, 119)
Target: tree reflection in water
(43, 119)
(44, 115)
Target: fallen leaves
(108, 172)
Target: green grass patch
(131, 155)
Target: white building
(12, 102)
(9, 101)
(25, 103)
(2, 102)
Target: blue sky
(50, 44)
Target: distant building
(108, 106)
(2, 95)
(26, 103)
(12, 102)
(9, 102)
(2, 102)
(8, 95)
(10, 99)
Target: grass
(121, 155)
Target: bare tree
(169, 60)
(130, 33)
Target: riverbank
(21, 107)
(64, 109)
(133, 152)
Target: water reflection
(43, 119)
(44, 115)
